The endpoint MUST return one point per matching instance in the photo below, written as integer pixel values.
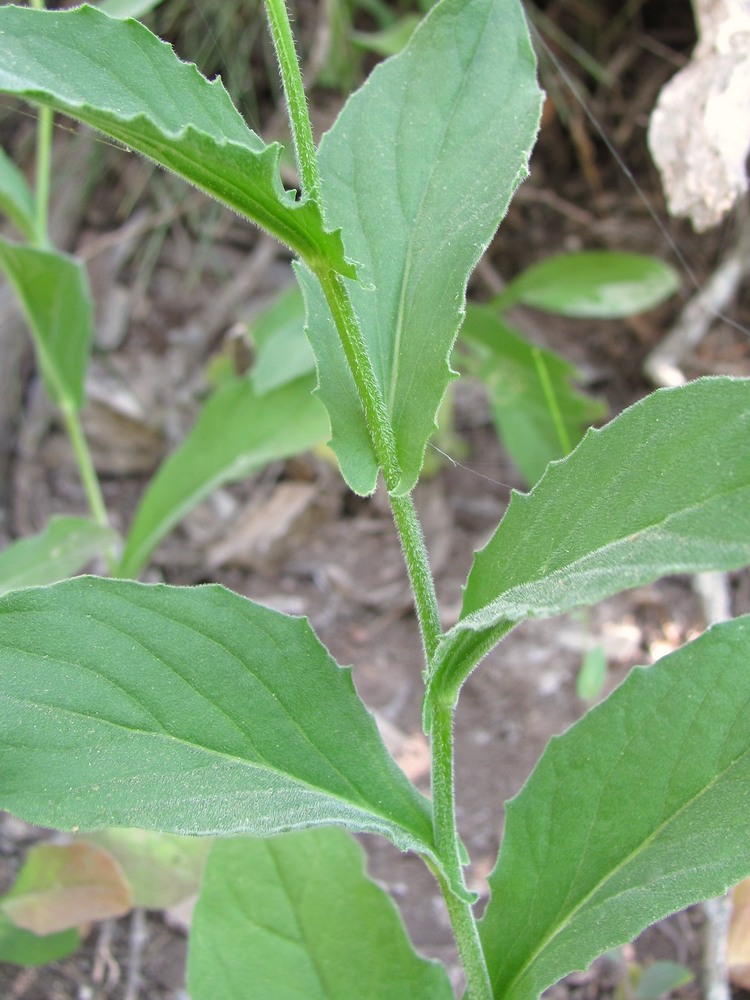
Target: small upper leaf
(187, 710)
(592, 284)
(418, 171)
(664, 488)
(119, 78)
(54, 292)
(638, 810)
(296, 916)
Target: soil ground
(173, 277)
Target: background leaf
(65, 546)
(664, 488)
(20, 947)
(16, 198)
(640, 809)
(592, 284)
(54, 292)
(187, 710)
(283, 351)
(418, 171)
(119, 78)
(506, 364)
(296, 916)
(161, 869)
(62, 886)
(128, 8)
(236, 433)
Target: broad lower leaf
(54, 292)
(296, 916)
(186, 710)
(538, 414)
(593, 284)
(664, 488)
(19, 947)
(236, 433)
(64, 886)
(283, 352)
(638, 810)
(120, 79)
(418, 171)
(161, 869)
(16, 198)
(65, 546)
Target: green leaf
(283, 351)
(592, 675)
(161, 869)
(54, 292)
(16, 198)
(65, 546)
(236, 433)
(639, 810)
(120, 79)
(186, 710)
(593, 284)
(128, 8)
(664, 488)
(19, 947)
(660, 978)
(418, 171)
(390, 40)
(529, 422)
(63, 886)
(296, 916)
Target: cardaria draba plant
(193, 710)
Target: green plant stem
(384, 444)
(448, 849)
(85, 464)
(418, 565)
(43, 163)
(294, 91)
(404, 512)
(43, 170)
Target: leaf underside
(638, 810)
(120, 79)
(664, 488)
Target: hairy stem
(404, 513)
(294, 91)
(384, 444)
(417, 562)
(448, 849)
